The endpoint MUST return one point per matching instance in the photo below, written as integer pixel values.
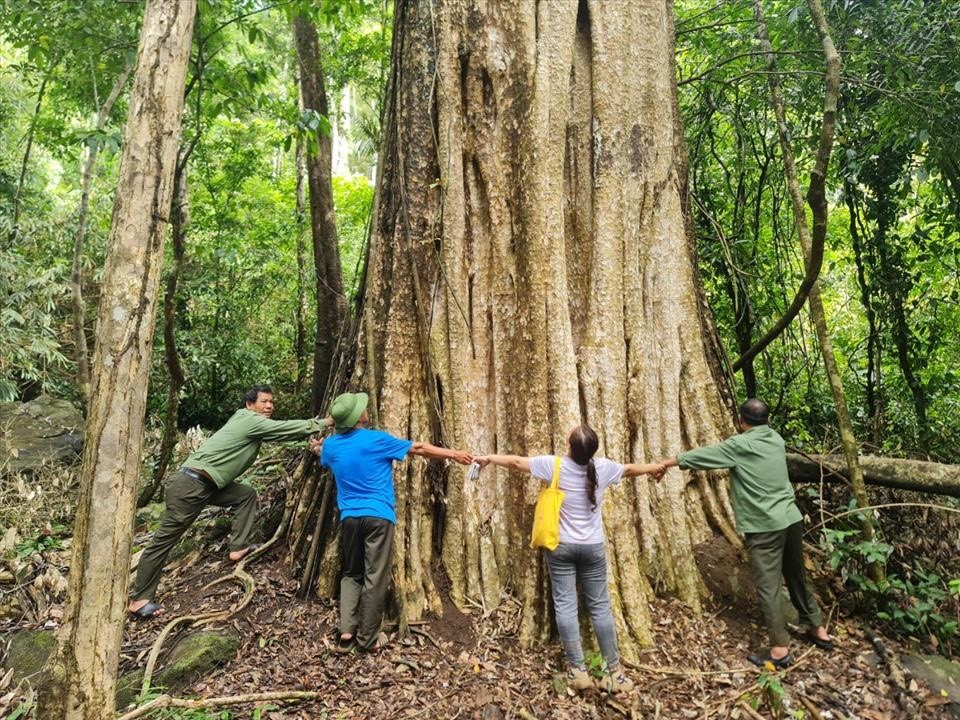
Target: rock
(29, 650)
(941, 674)
(189, 660)
(491, 712)
(41, 432)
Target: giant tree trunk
(80, 351)
(331, 302)
(532, 267)
(82, 669)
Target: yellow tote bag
(546, 516)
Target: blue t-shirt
(362, 465)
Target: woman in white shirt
(580, 554)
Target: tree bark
(872, 385)
(300, 339)
(900, 473)
(81, 352)
(331, 301)
(82, 669)
(816, 197)
(531, 267)
(179, 224)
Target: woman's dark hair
(583, 445)
(251, 396)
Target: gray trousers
(367, 560)
(185, 497)
(567, 564)
(776, 555)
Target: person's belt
(199, 477)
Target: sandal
(761, 660)
(345, 645)
(378, 645)
(145, 612)
(819, 642)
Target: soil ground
(464, 665)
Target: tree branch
(816, 193)
(166, 701)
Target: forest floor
(465, 665)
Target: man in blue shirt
(362, 464)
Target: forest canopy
(889, 276)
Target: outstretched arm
(631, 470)
(424, 449)
(513, 462)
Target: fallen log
(916, 475)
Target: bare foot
(778, 652)
(135, 605)
(142, 609)
(238, 555)
(821, 633)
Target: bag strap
(556, 473)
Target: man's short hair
(250, 397)
(755, 412)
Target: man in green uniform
(207, 478)
(770, 521)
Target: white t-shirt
(579, 522)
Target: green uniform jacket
(762, 496)
(234, 447)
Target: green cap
(347, 409)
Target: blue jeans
(567, 564)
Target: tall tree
(80, 350)
(82, 669)
(331, 301)
(531, 267)
(811, 241)
(179, 223)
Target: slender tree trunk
(871, 383)
(531, 267)
(81, 352)
(18, 195)
(83, 666)
(300, 339)
(179, 224)
(895, 280)
(331, 301)
(817, 199)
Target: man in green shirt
(207, 478)
(770, 521)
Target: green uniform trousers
(185, 497)
(367, 560)
(776, 555)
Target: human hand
(659, 471)
(482, 460)
(315, 445)
(462, 457)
